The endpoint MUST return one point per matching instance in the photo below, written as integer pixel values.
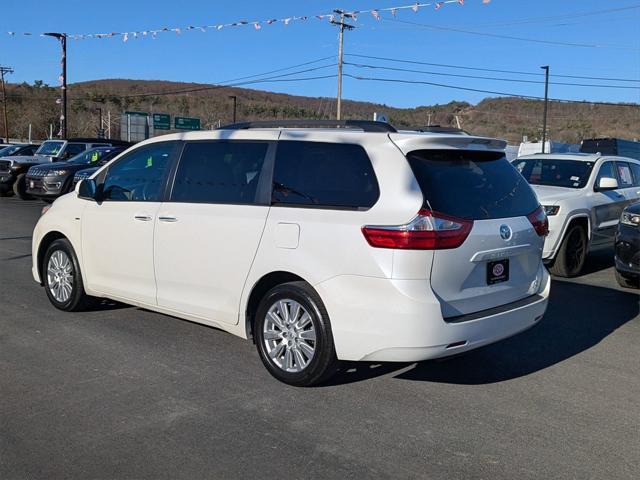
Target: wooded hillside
(506, 118)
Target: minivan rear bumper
(375, 319)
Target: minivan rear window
(471, 184)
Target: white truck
(583, 196)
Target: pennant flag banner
(257, 25)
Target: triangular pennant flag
(461, 2)
(438, 5)
(415, 7)
(375, 14)
(394, 12)
(125, 37)
(286, 21)
(257, 26)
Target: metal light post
(62, 37)
(235, 105)
(546, 107)
(4, 70)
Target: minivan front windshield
(554, 172)
(469, 184)
(50, 148)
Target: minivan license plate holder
(498, 271)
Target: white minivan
(320, 241)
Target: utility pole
(546, 106)
(62, 37)
(4, 70)
(342, 26)
(235, 105)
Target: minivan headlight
(631, 219)
(551, 210)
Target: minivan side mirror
(607, 183)
(88, 189)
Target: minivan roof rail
(440, 129)
(364, 125)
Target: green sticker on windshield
(94, 157)
(149, 162)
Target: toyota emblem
(505, 232)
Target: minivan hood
(551, 195)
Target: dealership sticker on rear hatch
(498, 271)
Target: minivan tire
(323, 362)
(20, 187)
(572, 253)
(5, 191)
(65, 265)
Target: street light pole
(62, 37)
(235, 105)
(546, 107)
(4, 70)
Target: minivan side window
(606, 170)
(624, 174)
(139, 175)
(329, 175)
(635, 169)
(225, 172)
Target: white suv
(583, 195)
(320, 244)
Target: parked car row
(584, 197)
(328, 244)
(17, 160)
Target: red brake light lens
(539, 221)
(427, 231)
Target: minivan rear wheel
(293, 335)
(572, 253)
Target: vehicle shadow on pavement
(105, 305)
(578, 317)
(598, 261)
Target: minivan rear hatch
(499, 261)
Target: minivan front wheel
(293, 335)
(62, 278)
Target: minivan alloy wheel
(60, 276)
(289, 335)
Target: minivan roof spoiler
(364, 125)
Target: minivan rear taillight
(539, 221)
(427, 231)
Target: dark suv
(48, 181)
(13, 170)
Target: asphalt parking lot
(126, 393)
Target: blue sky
(217, 56)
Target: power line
(226, 83)
(275, 79)
(492, 70)
(491, 92)
(511, 37)
(559, 17)
(477, 77)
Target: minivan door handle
(167, 218)
(143, 218)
